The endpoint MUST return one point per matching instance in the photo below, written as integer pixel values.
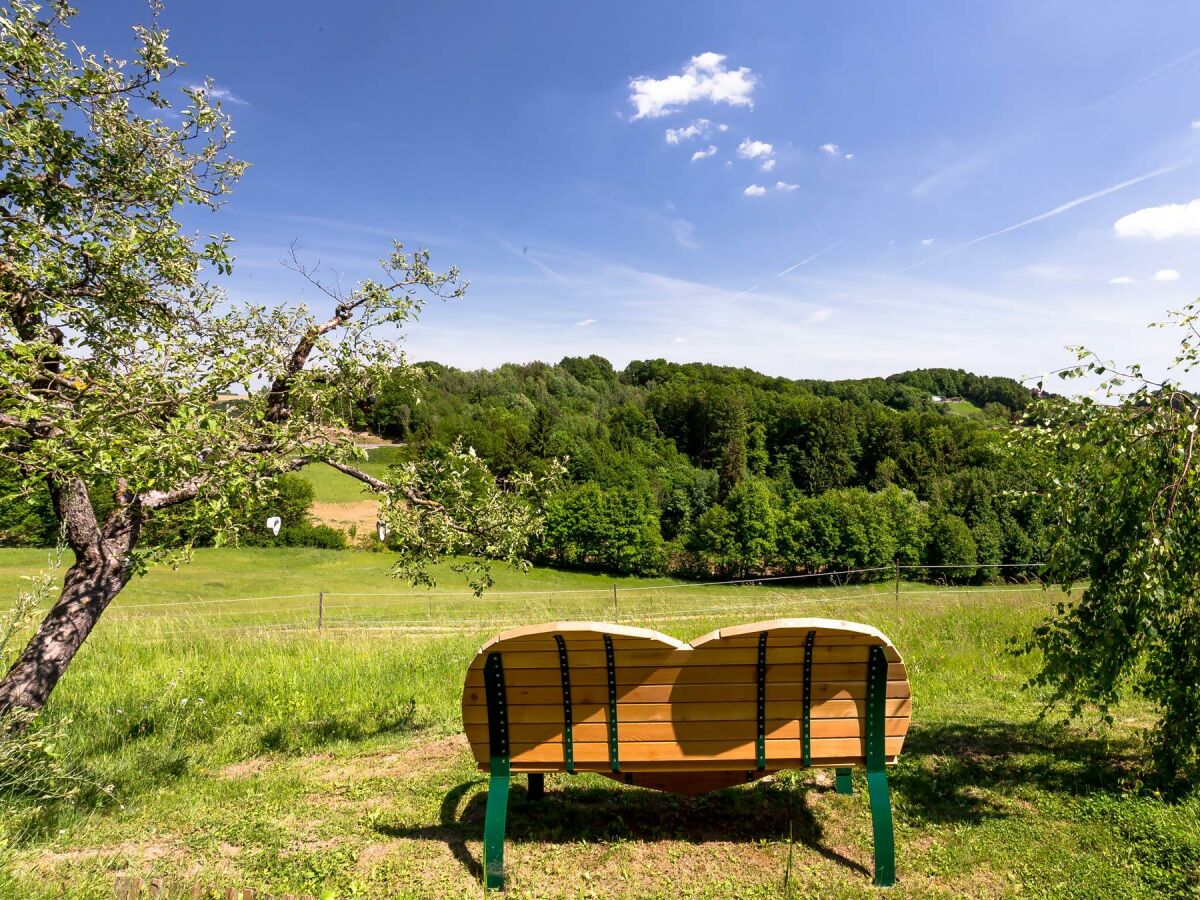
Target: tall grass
(151, 697)
(179, 703)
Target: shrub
(322, 537)
(952, 544)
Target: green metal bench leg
(843, 783)
(881, 823)
(537, 786)
(500, 768)
(877, 783)
(493, 832)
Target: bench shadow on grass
(571, 812)
(957, 772)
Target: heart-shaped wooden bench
(645, 709)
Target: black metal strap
(568, 721)
(761, 740)
(877, 679)
(614, 757)
(497, 707)
(805, 722)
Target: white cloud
(1161, 222)
(1166, 275)
(927, 242)
(584, 323)
(1196, 124)
(835, 150)
(704, 154)
(915, 322)
(755, 190)
(699, 128)
(722, 127)
(680, 340)
(704, 78)
(749, 149)
(1121, 279)
(768, 165)
(215, 92)
(785, 186)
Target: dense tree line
(708, 470)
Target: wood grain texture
(688, 709)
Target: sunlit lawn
(292, 760)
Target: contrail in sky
(807, 260)
(1140, 81)
(803, 262)
(1050, 213)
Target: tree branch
(180, 494)
(374, 483)
(278, 409)
(73, 508)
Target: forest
(702, 470)
(699, 470)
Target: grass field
(343, 502)
(239, 746)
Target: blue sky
(917, 184)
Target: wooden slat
(791, 638)
(686, 732)
(589, 640)
(775, 627)
(682, 712)
(706, 751)
(710, 656)
(568, 629)
(687, 693)
(686, 783)
(698, 765)
(777, 673)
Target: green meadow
(221, 739)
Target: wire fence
(432, 612)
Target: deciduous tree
(1125, 542)
(115, 343)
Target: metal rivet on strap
(613, 740)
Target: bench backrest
(587, 696)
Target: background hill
(698, 470)
(702, 469)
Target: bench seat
(643, 708)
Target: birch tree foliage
(1125, 542)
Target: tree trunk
(89, 587)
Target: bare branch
(370, 480)
(180, 494)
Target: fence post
(320, 611)
(897, 561)
(616, 608)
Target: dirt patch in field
(414, 761)
(247, 768)
(362, 515)
(130, 850)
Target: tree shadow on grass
(948, 769)
(571, 812)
